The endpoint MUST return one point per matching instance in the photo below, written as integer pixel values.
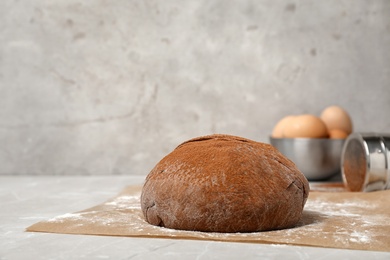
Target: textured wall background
(109, 87)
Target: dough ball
(222, 183)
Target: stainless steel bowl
(317, 158)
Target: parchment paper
(330, 219)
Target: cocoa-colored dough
(223, 183)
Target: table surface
(25, 200)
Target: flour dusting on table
(330, 219)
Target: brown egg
(337, 134)
(278, 131)
(307, 126)
(335, 117)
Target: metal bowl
(317, 158)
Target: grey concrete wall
(109, 87)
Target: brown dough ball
(222, 183)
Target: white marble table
(25, 200)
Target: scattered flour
(125, 202)
(323, 221)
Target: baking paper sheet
(330, 219)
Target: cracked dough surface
(222, 183)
